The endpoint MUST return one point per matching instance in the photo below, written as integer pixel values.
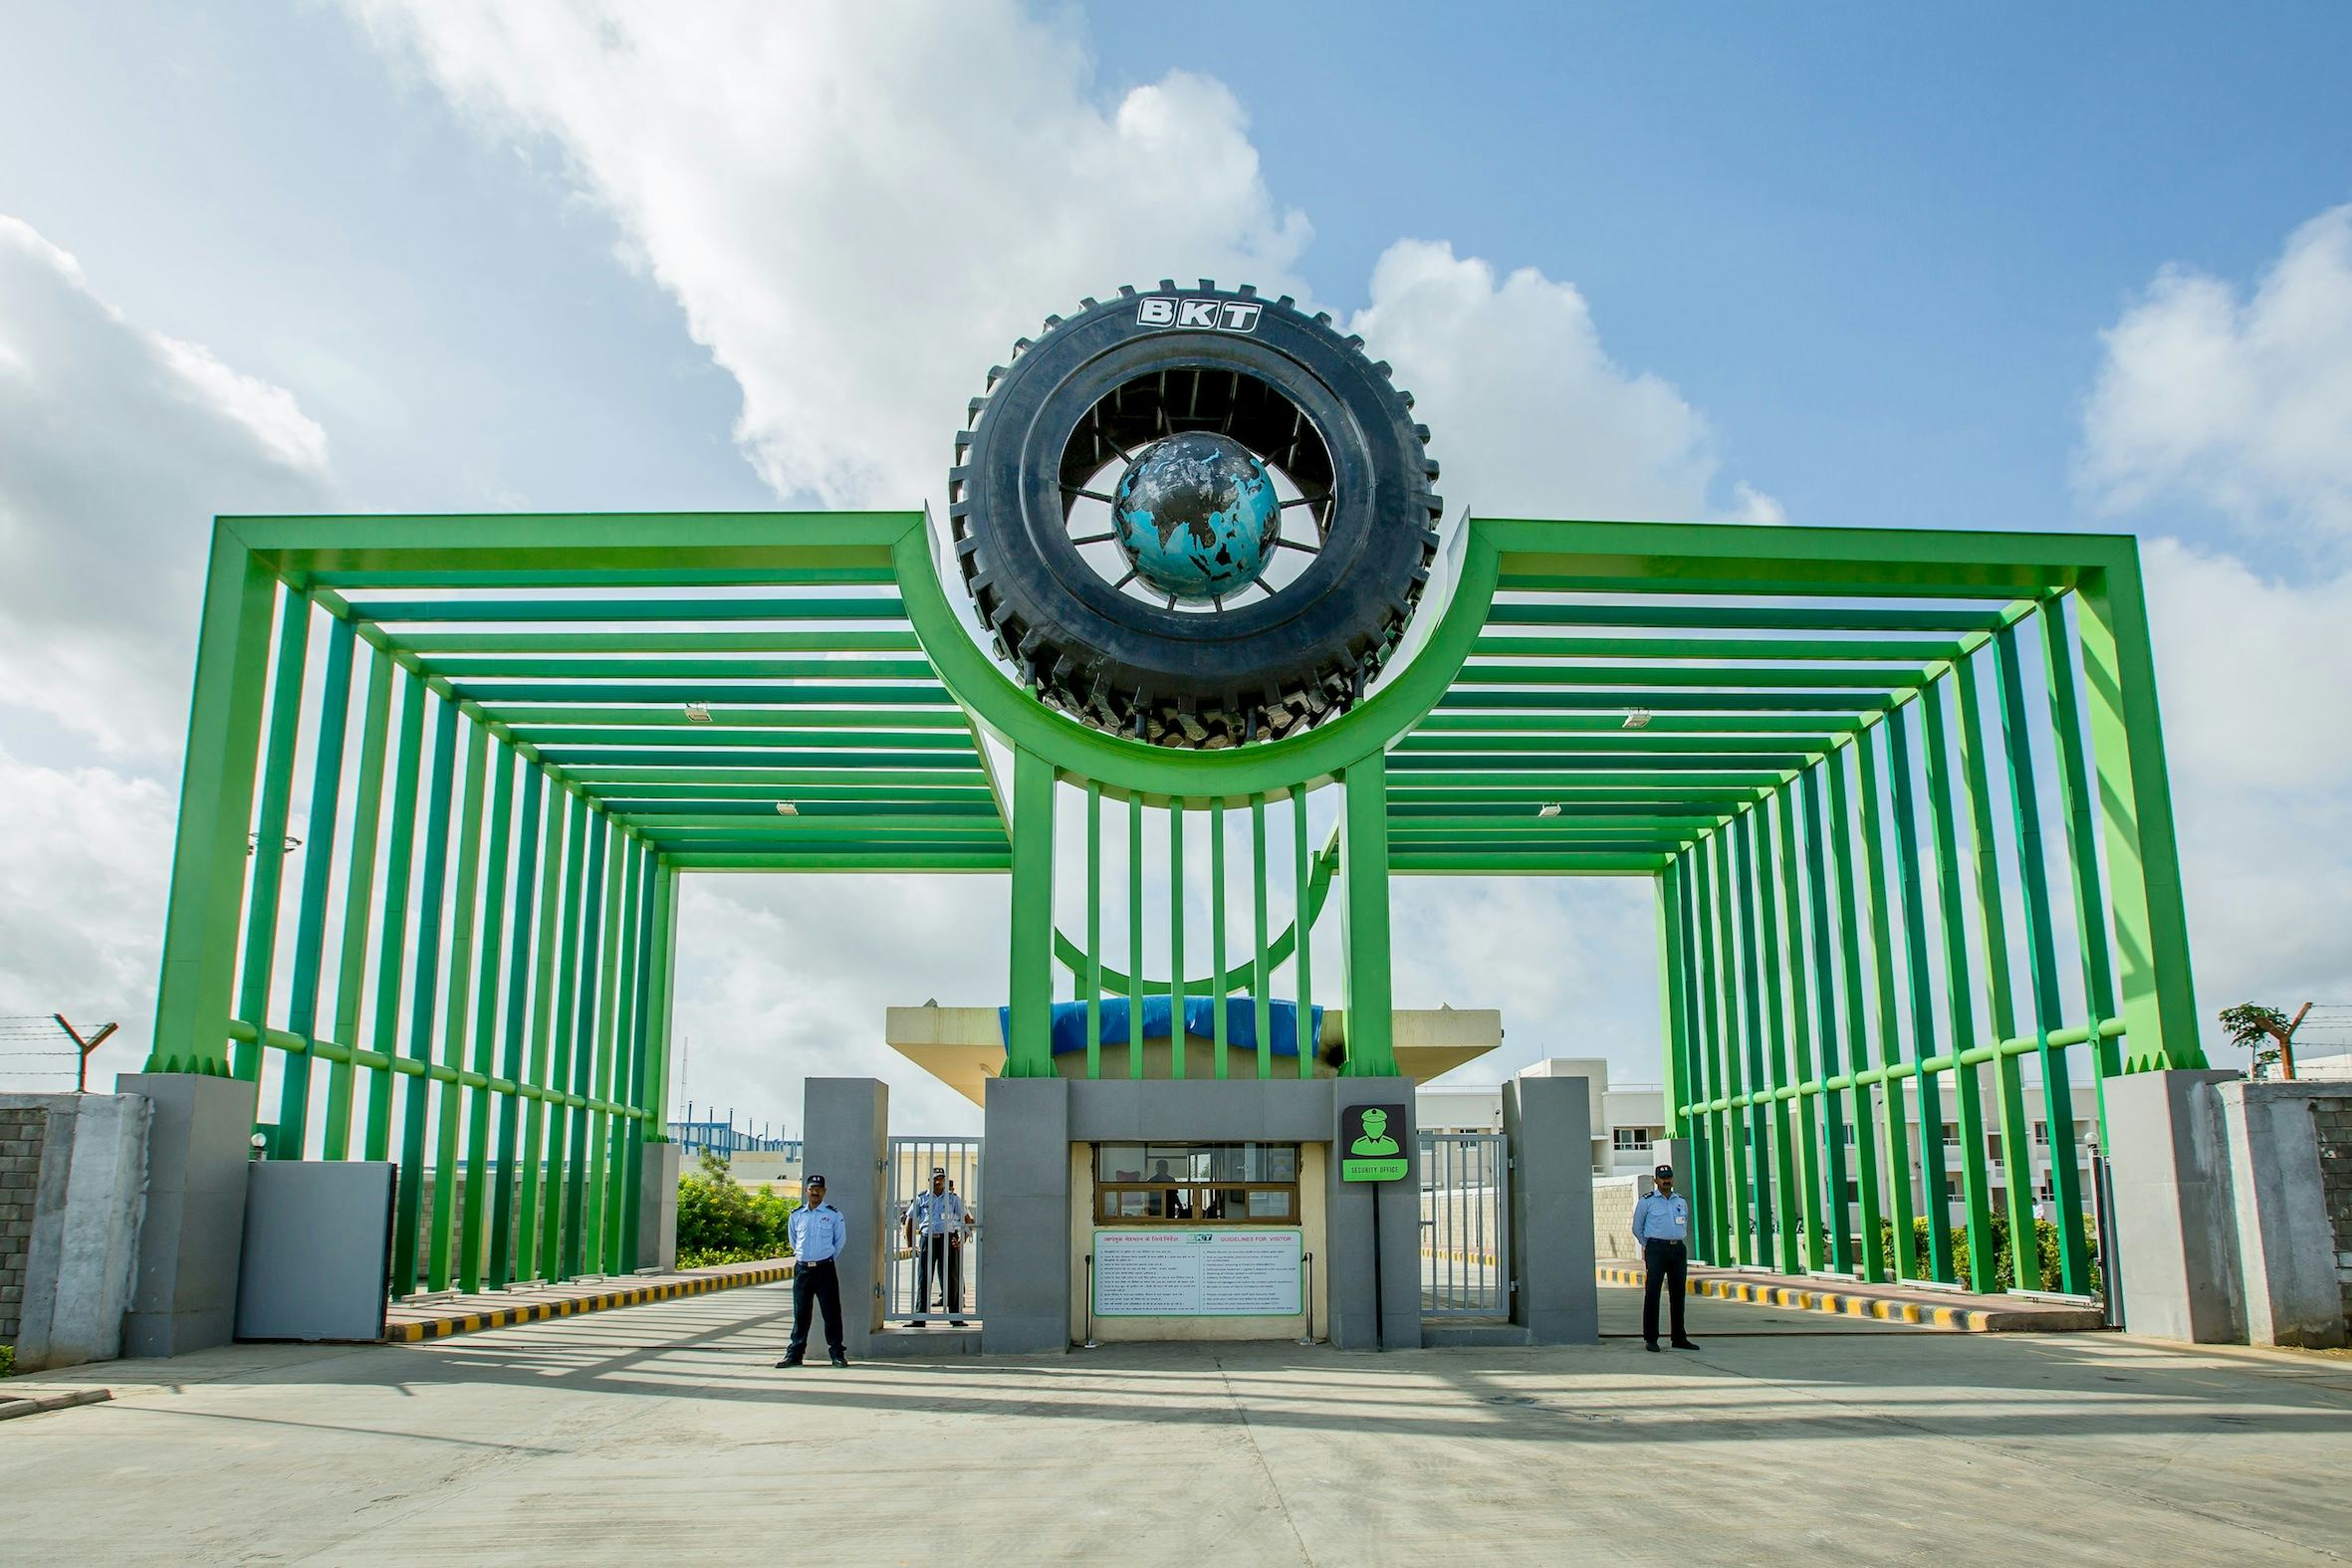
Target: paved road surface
(664, 1430)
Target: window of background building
(1196, 1183)
(1632, 1138)
(2042, 1135)
(1952, 1135)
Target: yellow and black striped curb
(572, 1306)
(1886, 1309)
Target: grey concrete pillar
(847, 1142)
(2287, 1279)
(1551, 1242)
(657, 1207)
(2175, 1227)
(1349, 1228)
(199, 1146)
(79, 1219)
(1025, 1273)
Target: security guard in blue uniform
(1662, 1227)
(818, 1234)
(936, 1222)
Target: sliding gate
(1464, 1225)
(935, 1281)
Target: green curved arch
(1115, 983)
(1127, 768)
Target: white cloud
(1532, 417)
(2243, 406)
(81, 879)
(117, 445)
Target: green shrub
(2005, 1262)
(722, 1222)
(7, 1360)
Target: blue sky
(1840, 265)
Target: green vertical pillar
(450, 1099)
(1707, 987)
(310, 919)
(350, 966)
(1673, 1059)
(493, 950)
(2158, 997)
(2082, 845)
(2042, 948)
(640, 1063)
(1815, 1213)
(267, 881)
(612, 1055)
(1833, 1111)
(424, 997)
(1093, 975)
(1261, 1004)
(1739, 1140)
(1029, 1047)
(1134, 936)
(1966, 1094)
(1216, 981)
(1363, 847)
(1867, 1137)
(1303, 924)
(2016, 1144)
(510, 1106)
(530, 1181)
(1790, 1198)
(1175, 939)
(559, 1078)
(215, 807)
(1934, 1201)
(393, 953)
(584, 1049)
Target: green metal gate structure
(1833, 753)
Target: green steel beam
(310, 920)
(350, 970)
(1029, 1050)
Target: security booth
(1185, 663)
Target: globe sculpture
(1196, 516)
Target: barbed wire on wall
(29, 1040)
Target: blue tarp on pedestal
(1241, 1024)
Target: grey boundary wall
(73, 1177)
(2233, 1208)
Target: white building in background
(1629, 1121)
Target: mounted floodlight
(698, 713)
(1548, 808)
(1637, 719)
(786, 809)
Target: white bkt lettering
(1230, 316)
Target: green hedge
(7, 1360)
(720, 1220)
(2004, 1264)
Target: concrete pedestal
(199, 1148)
(657, 1207)
(2176, 1232)
(847, 1142)
(1351, 1225)
(1544, 1121)
(1025, 1283)
(66, 1282)
(2290, 1258)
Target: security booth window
(1196, 1184)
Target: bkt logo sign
(1228, 316)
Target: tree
(2269, 1032)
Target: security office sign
(1371, 1143)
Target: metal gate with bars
(923, 1279)
(1464, 1225)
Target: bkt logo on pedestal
(1228, 315)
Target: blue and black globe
(1196, 516)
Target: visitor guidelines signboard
(1225, 1272)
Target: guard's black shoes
(840, 1361)
(1686, 1344)
(789, 1361)
(1650, 1345)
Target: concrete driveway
(663, 1431)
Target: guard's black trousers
(822, 1284)
(1667, 1264)
(937, 1256)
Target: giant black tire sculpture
(1195, 517)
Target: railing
(933, 1273)
(1464, 1225)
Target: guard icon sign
(1371, 1147)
